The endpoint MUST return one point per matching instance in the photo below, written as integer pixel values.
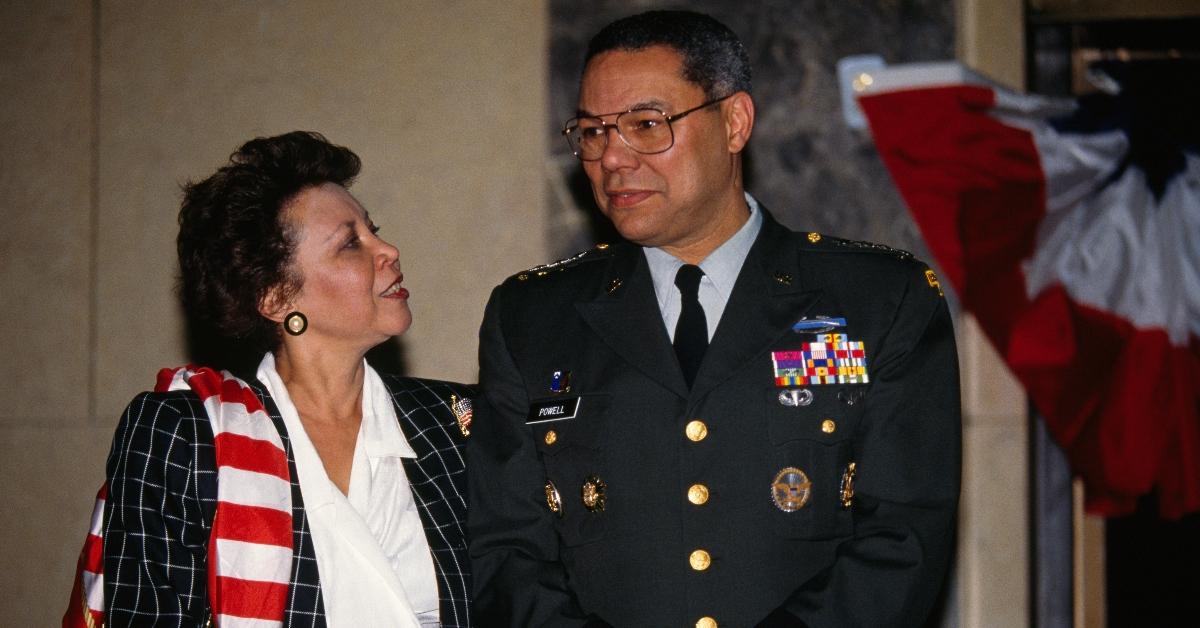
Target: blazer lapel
(429, 477)
(628, 320)
(767, 299)
(428, 473)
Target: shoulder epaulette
(599, 251)
(860, 245)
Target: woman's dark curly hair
(234, 242)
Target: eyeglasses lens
(646, 131)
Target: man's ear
(273, 306)
(739, 120)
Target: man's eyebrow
(645, 104)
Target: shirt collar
(721, 267)
(380, 431)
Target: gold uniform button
(706, 622)
(698, 494)
(827, 426)
(696, 430)
(699, 560)
(551, 437)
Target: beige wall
(109, 106)
(993, 557)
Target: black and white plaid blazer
(162, 491)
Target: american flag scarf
(250, 545)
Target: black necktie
(691, 332)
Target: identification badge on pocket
(554, 410)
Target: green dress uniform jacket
(611, 493)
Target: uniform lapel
(627, 318)
(767, 299)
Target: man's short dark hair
(713, 56)
(234, 243)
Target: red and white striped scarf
(250, 546)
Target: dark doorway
(1151, 578)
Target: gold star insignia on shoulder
(863, 245)
(597, 252)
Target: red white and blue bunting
(1081, 264)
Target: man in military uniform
(724, 423)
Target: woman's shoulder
(163, 422)
(440, 401)
(421, 387)
(181, 403)
(169, 404)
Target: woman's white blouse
(375, 564)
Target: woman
(274, 251)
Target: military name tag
(556, 410)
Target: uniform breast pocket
(569, 433)
(811, 430)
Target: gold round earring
(295, 323)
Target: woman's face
(350, 278)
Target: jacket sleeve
(908, 455)
(518, 578)
(155, 532)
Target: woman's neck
(323, 385)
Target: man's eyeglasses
(647, 131)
